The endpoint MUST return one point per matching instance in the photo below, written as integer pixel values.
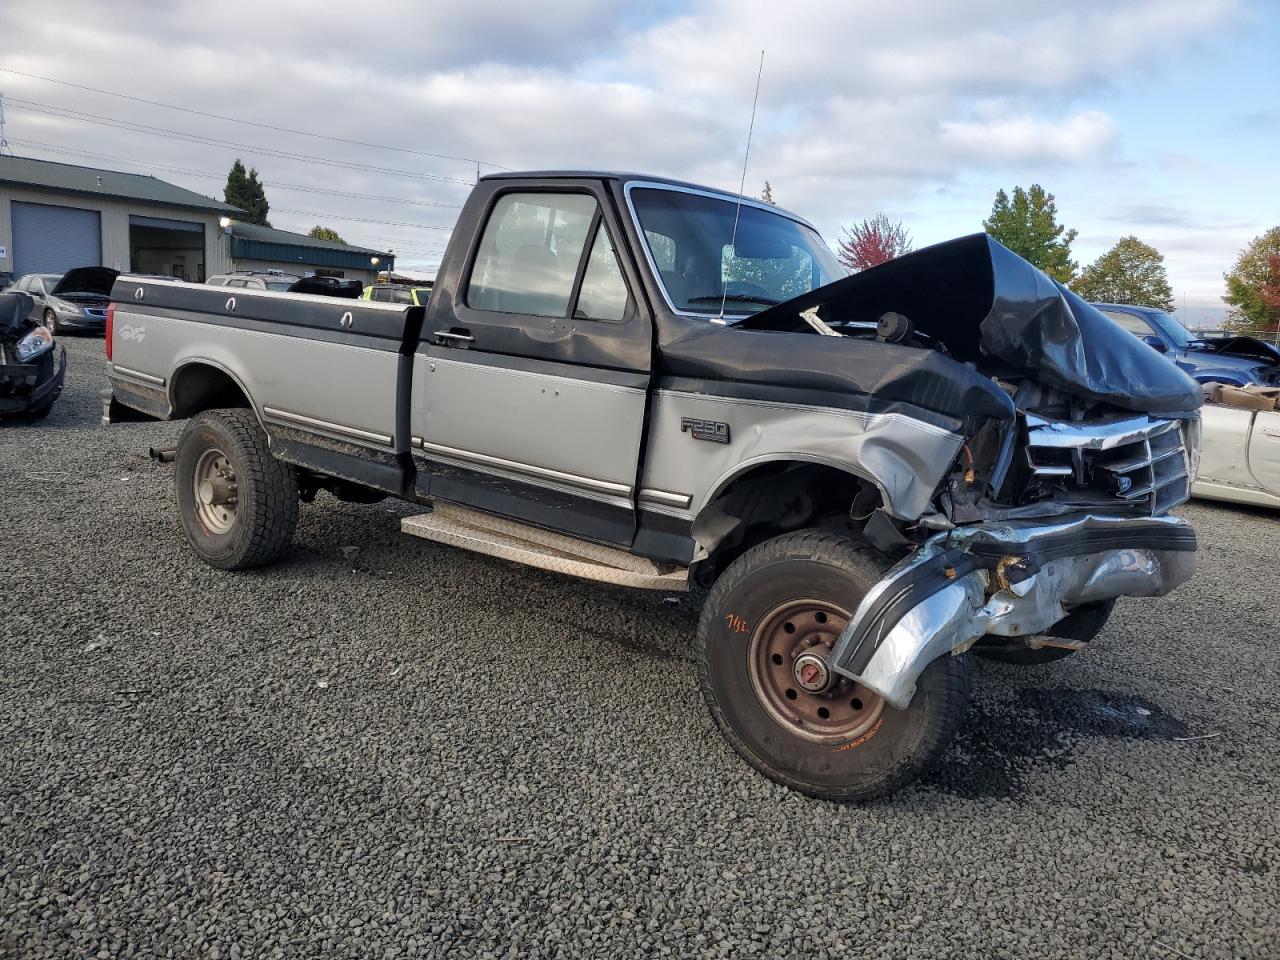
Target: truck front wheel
(237, 503)
(766, 631)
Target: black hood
(95, 280)
(1250, 348)
(984, 302)
(14, 309)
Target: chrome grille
(1135, 461)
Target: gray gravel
(385, 747)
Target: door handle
(454, 338)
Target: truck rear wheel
(766, 630)
(237, 503)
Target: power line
(66, 114)
(275, 185)
(253, 123)
(385, 223)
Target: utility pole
(4, 144)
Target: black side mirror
(1155, 343)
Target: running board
(535, 547)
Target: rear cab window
(548, 255)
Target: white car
(1239, 448)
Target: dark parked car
(75, 300)
(31, 367)
(1231, 359)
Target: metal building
(56, 216)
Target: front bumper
(82, 321)
(1009, 579)
(21, 387)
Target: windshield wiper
(741, 298)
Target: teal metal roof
(252, 242)
(108, 184)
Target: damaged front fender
(1008, 579)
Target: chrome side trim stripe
(298, 420)
(483, 459)
(665, 498)
(137, 375)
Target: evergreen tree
(1028, 225)
(1130, 272)
(244, 190)
(767, 194)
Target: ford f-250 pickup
(651, 383)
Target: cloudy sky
(1154, 117)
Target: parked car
(1240, 446)
(398, 293)
(75, 300)
(255, 280)
(32, 365)
(652, 383)
(328, 287)
(1229, 359)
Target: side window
(401, 296)
(24, 285)
(529, 253)
(1131, 322)
(604, 292)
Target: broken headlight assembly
(35, 343)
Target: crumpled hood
(985, 302)
(94, 280)
(14, 309)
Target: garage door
(49, 239)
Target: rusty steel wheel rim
(215, 490)
(788, 662)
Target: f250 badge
(713, 430)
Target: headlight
(36, 342)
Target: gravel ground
(385, 747)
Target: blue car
(1236, 360)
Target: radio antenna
(742, 184)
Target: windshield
(1171, 328)
(50, 279)
(700, 260)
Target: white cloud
(864, 105)
(1019, 139)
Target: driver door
(532, 376)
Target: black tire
(51, 322)
(1083, 623)
(266, 491)
(835, 570)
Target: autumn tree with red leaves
(872, 242)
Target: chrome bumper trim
(1009, 579)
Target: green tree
(1028, 225)
(1130, 272)
(1253, 286)
(325, 233)
(244, 190)
(767, 194)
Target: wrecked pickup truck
(654, 384)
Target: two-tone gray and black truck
(651, 383)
